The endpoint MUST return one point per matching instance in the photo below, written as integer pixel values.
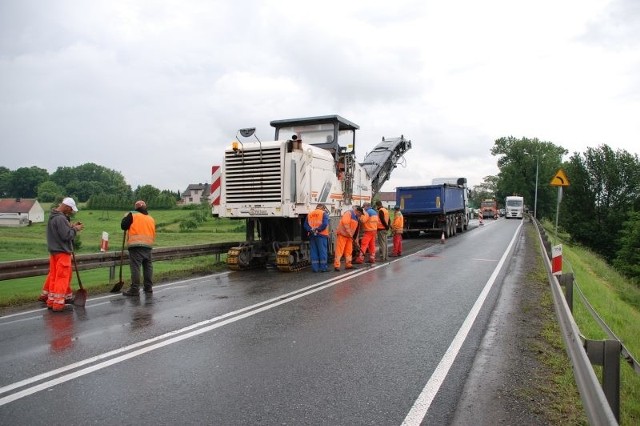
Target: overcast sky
(157, 89)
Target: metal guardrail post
(607, 354)
(566, 280)
(547, 245)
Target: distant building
(388, 199)
(195, 193)
(20, 212)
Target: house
(195, 193)
(388, 199)
(20, 212)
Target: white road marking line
(169, 338)
(91, 301)
(421, 405)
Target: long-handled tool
(118, 286)
(80, 299)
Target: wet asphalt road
(383, 344)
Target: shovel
(80, 298)
(118, 286)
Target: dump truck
(440, 208)
(489, 208)
(273, 185)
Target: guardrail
(601, 402)
(39, 267)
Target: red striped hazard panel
(215, 185)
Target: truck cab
(489, 209)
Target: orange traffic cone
(442, 238)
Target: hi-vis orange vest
(348, 224)
(385, 214)
(142, 232)
(315, 220)
(398, 223)
(371, 222)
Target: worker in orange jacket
(369, 222)
(396, 230)
(344, 237)
(141, 228)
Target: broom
(80, 299)
(118, 286)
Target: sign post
(560, 180)
(556, 260)
(104, 243)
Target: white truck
(273, 185)
(513, 207)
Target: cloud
(157, 89)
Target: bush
(188, 225)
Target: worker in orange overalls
(396, 230)
(369, 222)
(344, 236)
(60, 235)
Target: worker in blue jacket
(317, 226)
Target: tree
(49, 191)
(174, 195)
(5, 182)
(25, 181)
(627, 259)
(146, 193)
(90, 179)
(519, 161)
(483, 191)
(604, 189)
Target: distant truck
(489, 208)
(514, 207)
(440, 208)
(460, 181)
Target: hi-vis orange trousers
(57, 286)
(344, 246)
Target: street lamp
(535, 200)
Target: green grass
(617, 302)
(562, 404)
(30, 243)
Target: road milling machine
(273, 185)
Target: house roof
(13, 205)
(387, 196)
(204, 187)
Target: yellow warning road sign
(560, 179)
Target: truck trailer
(440, 208)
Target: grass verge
(556, 382)
(617, 302)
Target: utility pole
(535, 202)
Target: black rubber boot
(131, 292)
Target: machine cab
(330, 132)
